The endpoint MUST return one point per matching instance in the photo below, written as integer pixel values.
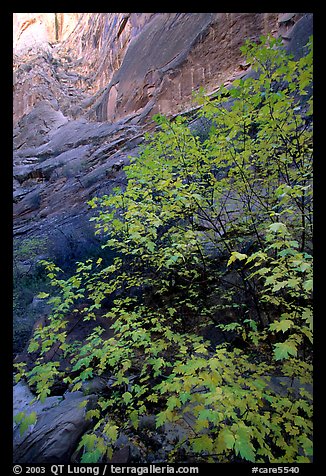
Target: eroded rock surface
(60, 423)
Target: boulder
(55, 435)
(284, 386)
(43, 117)
(299, 36)
(95, 385)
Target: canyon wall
(111, 65)
(87, 84)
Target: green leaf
(243, 446)
(111, 431)
(43, 295)
(225, 440)
(308, 285)
(152, 398)
(127, 397)
(279, 285)
(173, 402)
(184, 397)
(134, 417)
(285, 349)
(160, 419)
(109, 452)
(206, 414)
(252, 324)
(33, 346)
(92, 457)
(92, 414)
(278, 228)
(88, 441)
(150, 246)
(172, 260)
(307, 316)
(19, 417)
(307, 446)
(32, 417)
(203, 443)
(236, 256)
(281, 325)
(26, 421)
(86, 374)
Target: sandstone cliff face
(87, 84)
(35, 77)
(38, 29)
(173, 55)
(111, 65)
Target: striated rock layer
(87, 84)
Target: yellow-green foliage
(205, 227)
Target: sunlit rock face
(172, 55)
(35, 36)
(107, 66)
(34, 30)
(145, 63)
